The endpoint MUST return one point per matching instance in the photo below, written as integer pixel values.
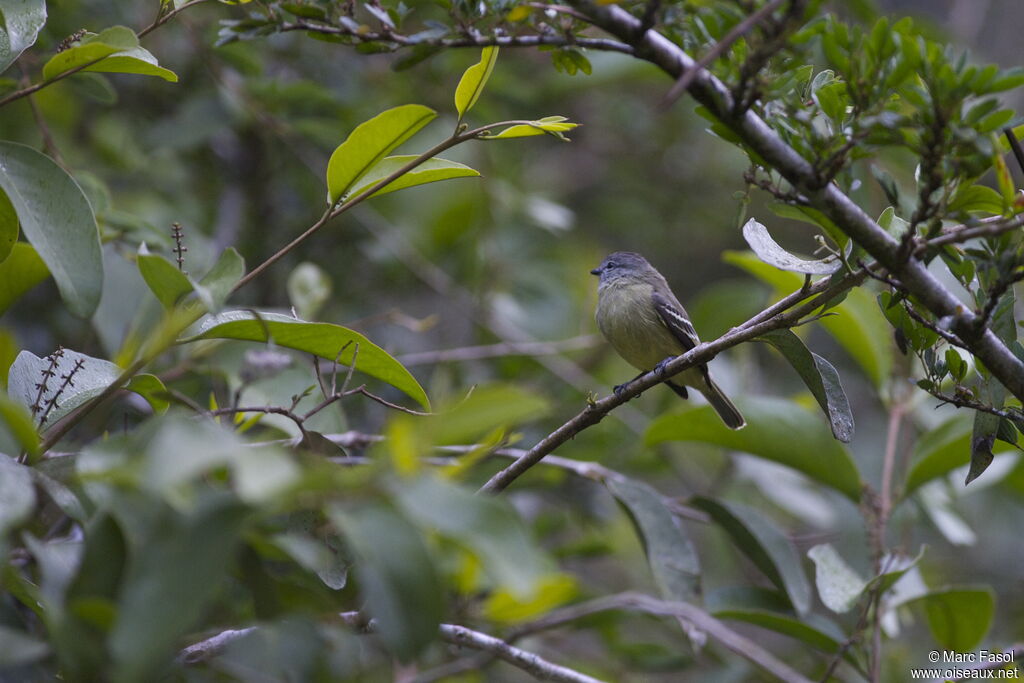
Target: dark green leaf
(322, 339)
(58, 221)
(820, 377)
(167, 283)
(766, 546)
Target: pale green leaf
(770, 252)
(167, 283)
(839, 586)
(8, 226)
(22, 21)
(17, 494)
(114, 50)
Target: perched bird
(645, 323)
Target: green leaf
(396, 576)
(370, 142)
(215, 287)
(22, 21)
(150, 388)
(820, 377)
(771, 424)
(1004, 180)
(959, 617)
(8, 225)
(114, 50)
(19, 272)
(473, 81)
(19, 423)
(167, 283)
(430, 171)
(939, 451)
(977, 199)
(17, 495)
(838, 585)
(670, 554)
(768, 609)
(767, 547)
(87, 381)
(57, 219)
(322, 339)
(488, 527)
(495, 406)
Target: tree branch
(829, 199)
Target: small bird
(646, 325)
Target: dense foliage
(204, 476)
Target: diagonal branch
(844, 212)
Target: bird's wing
(675, 320)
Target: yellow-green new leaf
(19, 272)
(430, 171)
(370, 142)
(549, 125)
(473, 81)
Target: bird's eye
(612, 264)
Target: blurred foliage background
(236, 151)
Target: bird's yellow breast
(628, 320)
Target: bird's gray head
(621, 264)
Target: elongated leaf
(839, 587)
(396, 577)
(17, 494)
(820, 377)
(473, 81)
(322, 339)
(430, 171)
(167, 283)
(22, 20)
(671, 555)
(19, 272)
(771, 433)
(113, 50)
(767, 547)
(370, 142)
(215, 287)
(87, 381)
(768, 610)
(959, 616)
(977, 199)
(58, 221)
(770, 252)
(855, 327)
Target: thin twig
(717, 50)
(524, 348)
(164, 17)
(1015, 146)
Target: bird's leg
(660, 367)
(619, 388)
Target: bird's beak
(596, 271)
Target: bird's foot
(660, 367)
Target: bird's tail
(722, 405)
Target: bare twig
(524, 348)
(717, 50)
(1018, 153)
(164, 16)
